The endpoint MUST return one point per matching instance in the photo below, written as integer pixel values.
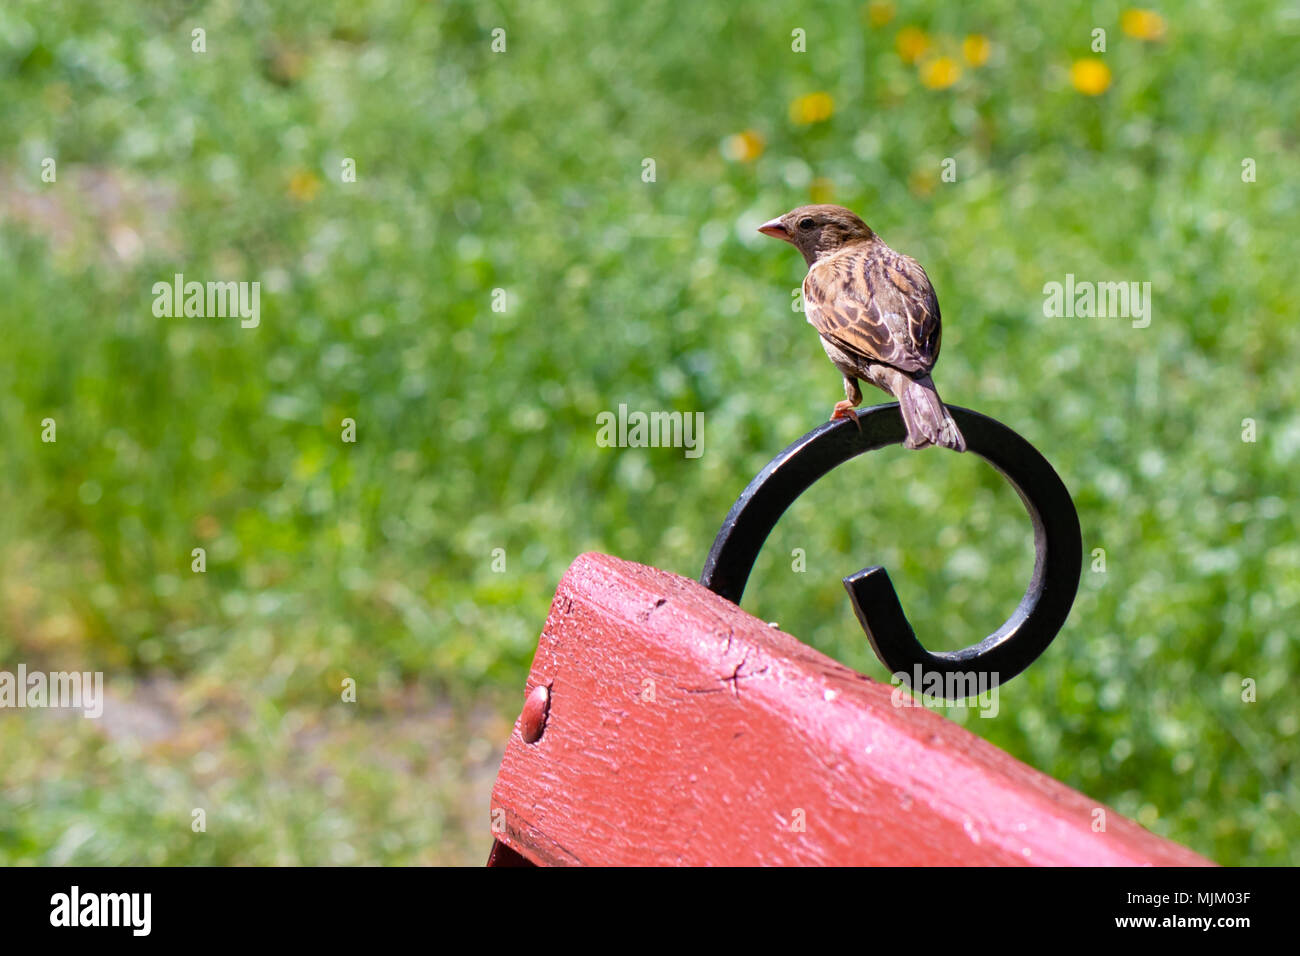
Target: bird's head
(818, 231)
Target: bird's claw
(845, 410)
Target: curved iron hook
(1058, 544)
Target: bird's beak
(774, 229)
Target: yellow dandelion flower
(743, 147)
(975, 49)
(57, 97)
(821, 190)
(911, 44)
(813, 108)
(879, 12)
(304, 185)
(940, 73)
(922, 182)
(1143, 24)
(1090, 76)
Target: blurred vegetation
(522, 171)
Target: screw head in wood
(536, 708)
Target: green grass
(476, 429)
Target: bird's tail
(928, 421)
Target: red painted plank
(502, 856)
(677, 729)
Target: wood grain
(681, 730)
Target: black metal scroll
(1006, 652)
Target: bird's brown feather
(876, 305)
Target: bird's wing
(875, 305)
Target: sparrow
(877, 315)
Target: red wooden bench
(664, 725)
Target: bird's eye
(806, 223)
